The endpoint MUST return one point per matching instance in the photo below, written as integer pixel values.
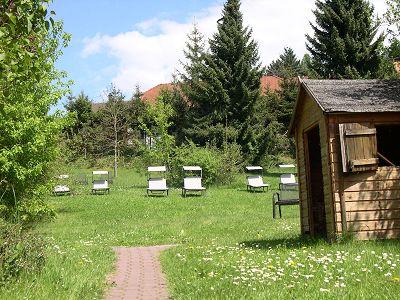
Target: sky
(130, 42)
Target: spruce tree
(229, 84)
(194, 51)
(287, 65)
(344, 44)
(190, 97)
(81, 106)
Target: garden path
(138, 274)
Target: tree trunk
(115, 148)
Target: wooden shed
(347, 136)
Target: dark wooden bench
(287, 195)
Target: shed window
(358, 147)
(388, 140)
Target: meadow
(228, 246)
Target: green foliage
(20, 251)
(287, 65)
(389, 54)
(191, 155)
(115, 127)
(392, 16)
(272, 138)
(219, 166)
(161, 149)
(226, 82)
(81, 108)
(30, 44)
(179, 105)
(345, 44)
(274, 110)
(306, 67)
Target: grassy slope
(229, 247)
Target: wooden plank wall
(309, 115)
(371, 199)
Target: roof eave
(291, 124)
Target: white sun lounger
(61, 190)
(254, 179)
(255, 182)
(100, 185)
(158, 183)
(192, 184)
(287, 180)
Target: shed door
(358, 146)
(317, 217)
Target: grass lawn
(229, 247)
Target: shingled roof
(355, 96)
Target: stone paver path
(138, 274)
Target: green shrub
(191, 155)
(20, 251)
(219, 166)
(232, 163)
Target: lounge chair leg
(280, 212)
(273, 208)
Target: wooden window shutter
(358, 147)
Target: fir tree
(136, 108)
(81, 107)
(190, 101)
(287, 65)
(344, 43)
(195, 48)
(229, 83)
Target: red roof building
(270, 82)
(151, 95)
(266, 82)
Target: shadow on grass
(156, 196)
(66, 210)
(188, 196)
(243, 190)
(290, 243)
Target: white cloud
(150, 54)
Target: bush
(191, 155)
(219, 166)
(232, 163)
(20, 251)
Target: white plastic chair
(192, 184)
(256, 182)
